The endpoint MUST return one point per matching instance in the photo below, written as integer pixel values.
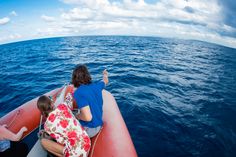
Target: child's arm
(53, 147)
(52, 131)
(69, 101)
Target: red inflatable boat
(113, 141)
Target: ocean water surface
(177, 97)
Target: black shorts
(18, 149)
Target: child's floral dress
(66, 130)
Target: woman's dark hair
(80, 76)
(44, 105)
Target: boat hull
(113, 141)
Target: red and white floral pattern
(65, 129)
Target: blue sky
(206, 20)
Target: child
(63, 127)
(88, 97)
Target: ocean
(177, 97)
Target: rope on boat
(92, 150)
(17, 113)
(40, 123)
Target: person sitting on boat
(88, 97)
(8, 145)
(62, 126)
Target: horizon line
(125, 35)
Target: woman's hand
(105, 76)
(5, 125)
(9, 135)
(24, 129)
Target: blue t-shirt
(91, 95)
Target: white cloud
(4, 20)
(13, 13)
(78, 14)
(193, 19)
(10, 37)
(168, 18)
(162, 10)
(88, 3)
(103, 10)
(51, 31)
(14, 36)
(48, 18)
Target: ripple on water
(177, 97)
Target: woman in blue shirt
(88, 97)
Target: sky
(206, 20)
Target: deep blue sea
(177, 97)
